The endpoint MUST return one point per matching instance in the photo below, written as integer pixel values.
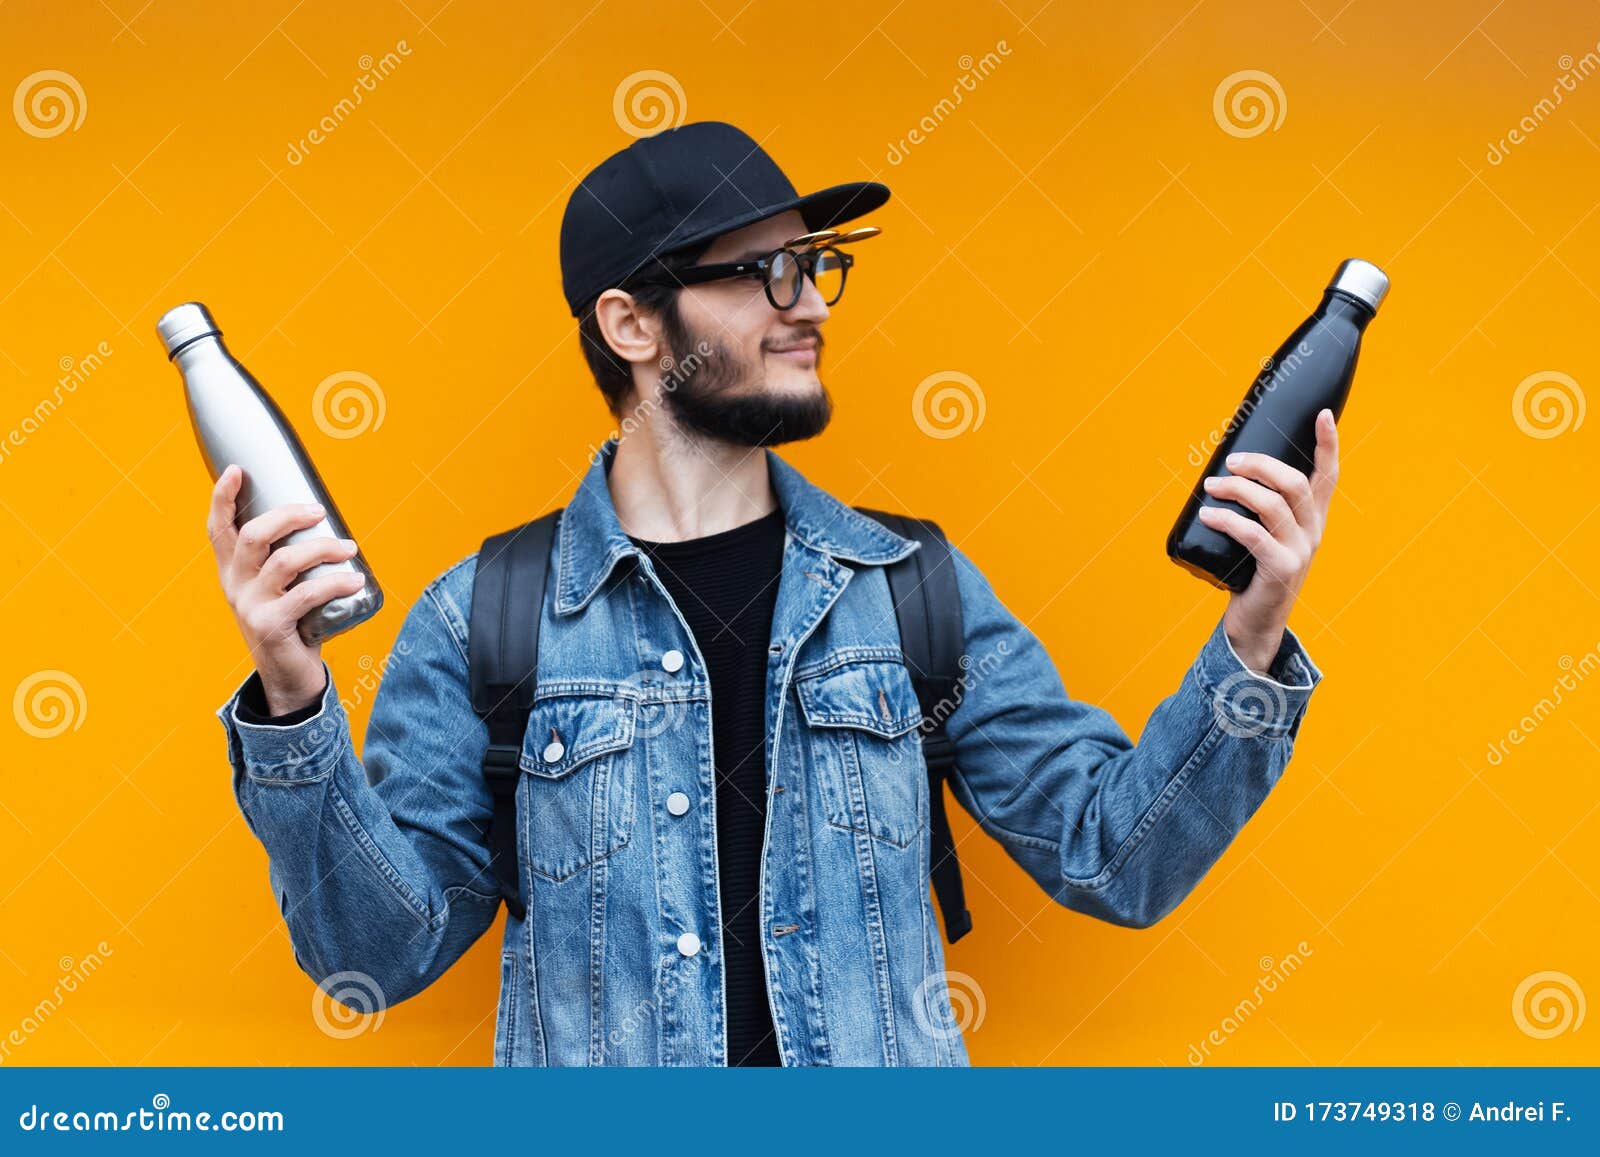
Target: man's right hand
(255, 580)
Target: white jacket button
(688, 944)
(672, 661)
(677, 803)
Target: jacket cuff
(251, 706)
(287, 753)
(1248, 703)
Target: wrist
(286, 700)
(1255, 652)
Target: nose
(811, 307)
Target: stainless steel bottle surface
(236, 421)
(1312, 370)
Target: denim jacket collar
(590, 538)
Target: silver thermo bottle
(235, 421)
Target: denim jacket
(380, 862)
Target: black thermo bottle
(1278, 416)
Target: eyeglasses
(781, 272)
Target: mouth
(804, 352)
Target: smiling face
(743, 372)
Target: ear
(632, 335)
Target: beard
(704, 399)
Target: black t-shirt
(253, 704)
(726, 586)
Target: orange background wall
(1082, 235)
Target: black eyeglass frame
(760, 268)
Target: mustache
(799, 337)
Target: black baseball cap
(676, 191)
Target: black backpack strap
(502, 657)
(927, 603)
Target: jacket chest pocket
(577, 800)
(866, 749)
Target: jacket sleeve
(1118, 830)
(380, 868)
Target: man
(723, 807)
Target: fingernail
(318, 508)
(1235, 459)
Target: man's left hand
(1293, 510)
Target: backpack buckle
(502, 764)
(939, 751)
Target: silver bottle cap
(1362, 280)
(182, 324)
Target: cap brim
(820, 210)
(839, 203)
